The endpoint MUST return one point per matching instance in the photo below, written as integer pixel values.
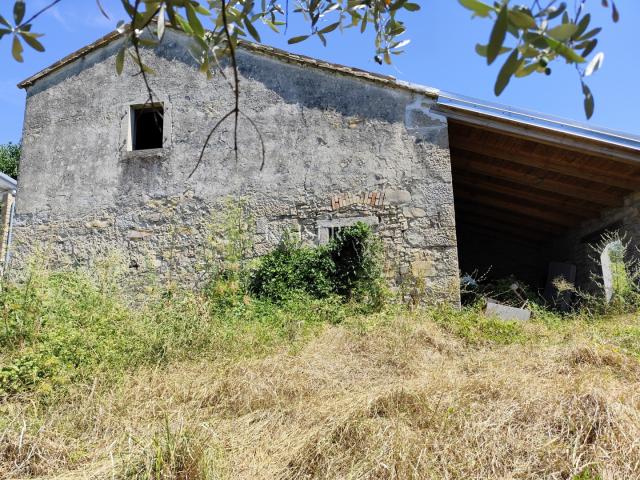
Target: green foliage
(65, 327)
(10, 159)
(291, 267)
(230, 239)
(543, 33)
(476, 328)
(348, 266)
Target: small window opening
(147, 127)
(334, 232)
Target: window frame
(133, 109)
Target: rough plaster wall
(577, 246)
(82, 194)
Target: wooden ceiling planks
(502, 180)
(484, 183)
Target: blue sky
(441, 55)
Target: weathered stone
(397, 197)
(138, 234)
(413, 212)
(99, 224)
(382, 142)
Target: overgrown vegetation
(10, 159)
(348, 266)
(282, 368)
(218, 384)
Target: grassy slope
(225, 387)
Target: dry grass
(402, 400)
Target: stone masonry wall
(578, 246)
(337, 150)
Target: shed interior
(515, 196)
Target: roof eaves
(282, 55)
(535, 125)
(72, 57)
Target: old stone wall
(337, 150)
(579, 246)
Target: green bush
(293, 268)
(348, 266)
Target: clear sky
(441, 55)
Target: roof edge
(274, 52)
(570, 134)
(8, 182)
(108, 38)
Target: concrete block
(505, 312)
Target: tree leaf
(589, 102)
(582, 26)
(522, 19)
(590, 47)
(18, 11)
(194, 21)
(526, 70)
(563, 32)
(17, 49)
(120, 61)
(590, 33)
(478, 8)
(251, 29)
(161, 20)
(412, 7)
(482, 50)
(330, 28)
(498, 34)
(594, 64)
(298, 39)
(32, 41)
(4, 22)
(511, 65)
(568, 53)
(615, 15)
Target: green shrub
(357, 255)
(293, 268)
(66, 327)
(348, 266)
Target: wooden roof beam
(473, 140)
(492, 215)
(532, 177)
(538, 212)
(490, 186)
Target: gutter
(569, 134)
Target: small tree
(9, 159)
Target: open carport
(530, 190)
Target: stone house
(450, 184)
